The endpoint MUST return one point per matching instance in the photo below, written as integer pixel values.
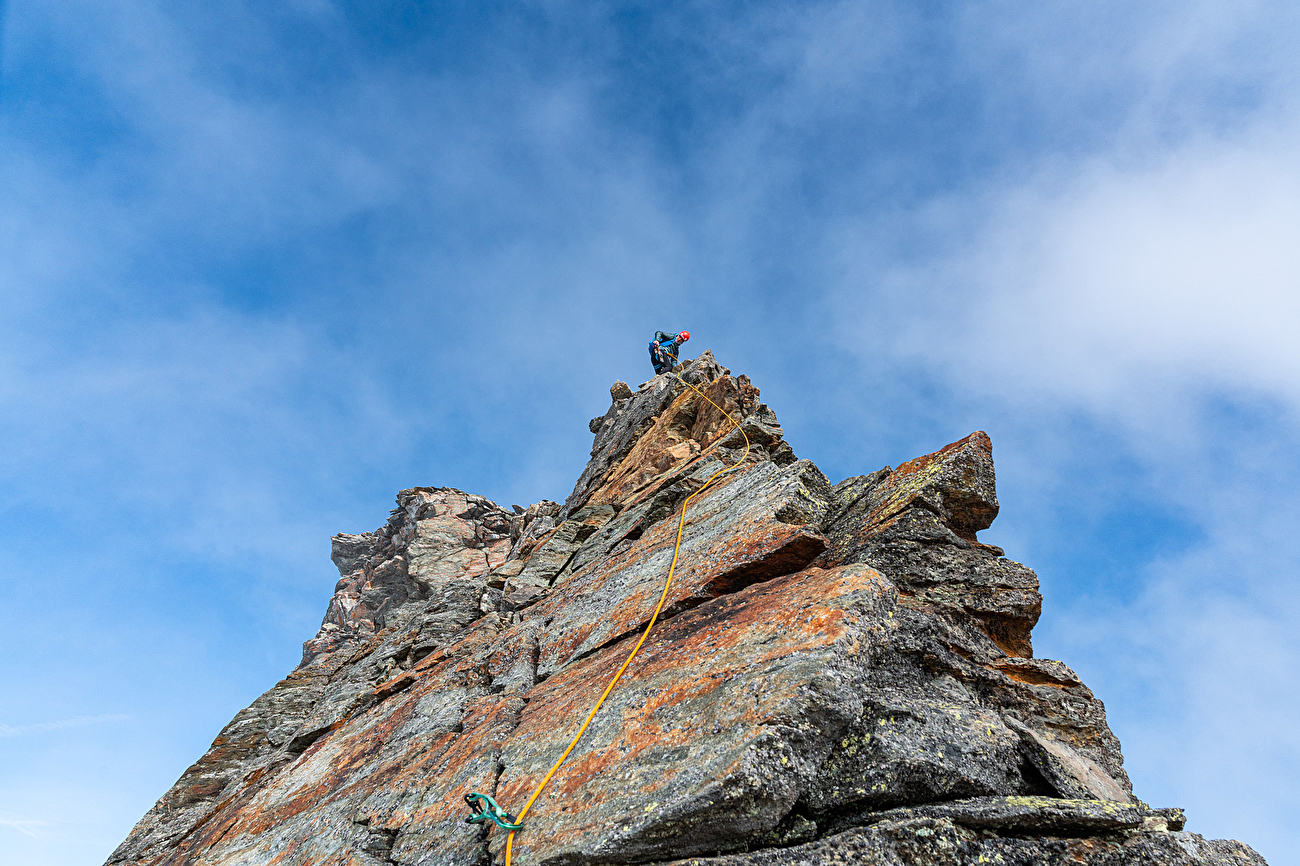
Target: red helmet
(684, 336)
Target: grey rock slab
(1071, 774)
(941, 842)
(1036, 815)
(350, 552)
(918, 523)
(554, 554)
(436, 537)
(719, 726)
(734, 536)
(1041, 694)
(926, 557)
(915, 744)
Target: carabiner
(486, 809)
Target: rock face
(842, 674)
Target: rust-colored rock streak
(712, 703)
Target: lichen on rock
(842, 673)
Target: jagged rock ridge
(843, 673)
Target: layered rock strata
(842, 673)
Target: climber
(663, 349)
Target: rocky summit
(843, 673)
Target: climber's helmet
(683, 336)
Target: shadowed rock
(945, 842)
(917, 524)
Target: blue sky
(262, 269)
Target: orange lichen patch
(487, 724)
(370, 756)
(332, 765)
(386, 752)
(703, 687)
(214, 824)
(497, 553)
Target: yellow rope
(677, 546)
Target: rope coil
(517, 823)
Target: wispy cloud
(1123, 281)
(61, 724)
(27, 828)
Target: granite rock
(840, 674)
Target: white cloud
(60, 724)
(1186, 273)
(27, 828)
(1200, 675)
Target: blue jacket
(667, 343)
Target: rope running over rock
(663, 596)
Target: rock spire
(844, 674)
